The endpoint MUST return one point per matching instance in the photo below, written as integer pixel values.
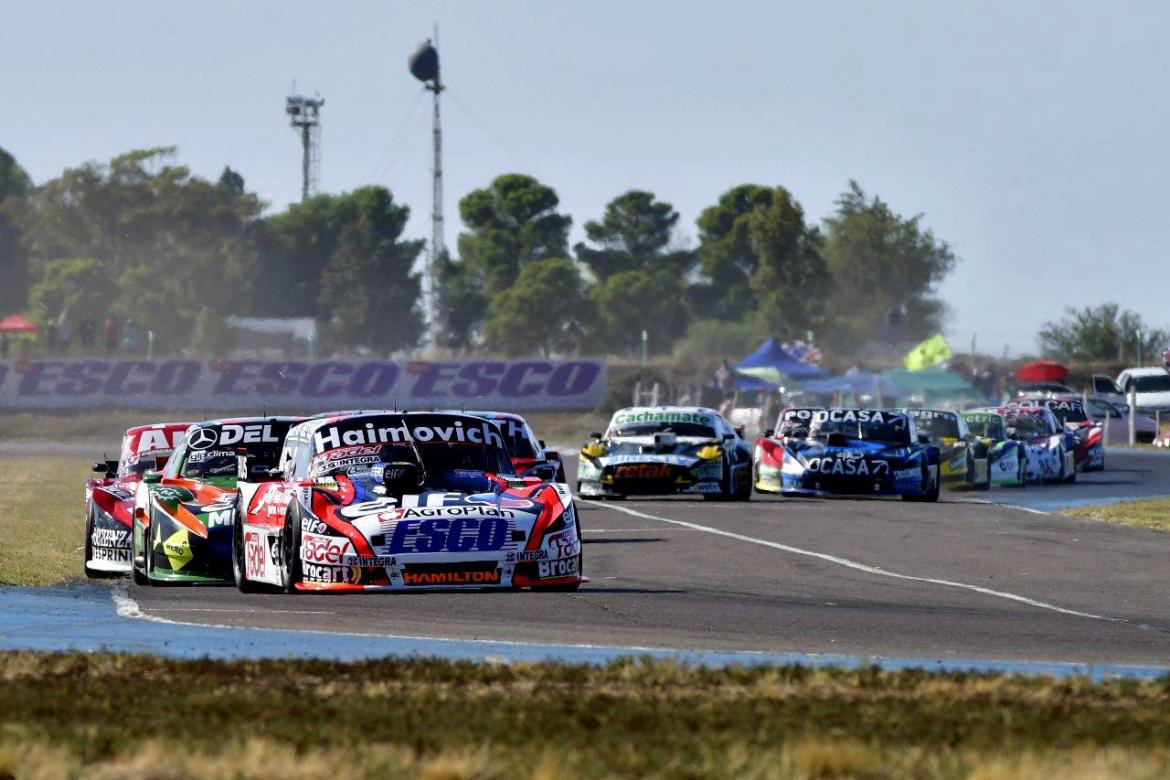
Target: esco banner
(298, 385)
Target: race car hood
(435, 522)
(682, 453)
(817, 455)
(197, 505)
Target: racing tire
(94, 574)
(725, 489)
(139, 577)
(147, 555)
(930, 496)
(290, 552)
(986, 484)
(239, 564)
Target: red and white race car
(109, 496)
(1071, 412)
(402, 501)
(768, 454)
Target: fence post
(1132, 415)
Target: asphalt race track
(960, 579)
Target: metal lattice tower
(305, 115)
(424, 65)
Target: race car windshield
(461, 466)
(938, 427)
(1070, 413)
(987, 427)
(205, 464)
(140, 464)
(891, 431)
(1028, 426)
(677, 428)
(517, 439)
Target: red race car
(109, 496)
(529, 457)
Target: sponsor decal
(111, 554)
(311, 525)
(642, 471)
(216, 517)
(459, 534)
(335, 436)
(526, 556)
(565, 543)
(255, 556)
(676, 460)
(448, 511)
(202, 438)
(314, 572)
(177, 549)
(931, 414)
(563, 568)
(110, 537)
(848, 465)
(901, 474)
(369, 561)
(431, 578)
(859, 415)
(323, 549)
(647, 415)
(168, 493)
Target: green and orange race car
(184, 514)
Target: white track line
(858, 566)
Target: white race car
(665, 450)
(1049, 450)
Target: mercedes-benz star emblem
(202, 438)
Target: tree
(882, 263)
(14, 185)
(791, 279)
(709, 340)
(546, 310)
(629, 302)
(511, 223)
(633, 235)
(369, 295)
(460, 303)
(1101, 333)
(77, 286)
(175, 243)
(727, 257)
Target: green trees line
(142, 238)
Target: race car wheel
(985, 484)
(89, 523)
(931, 495)
(239, 565)
(290, 551)
(140, 577)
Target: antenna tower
(304, 114)
(424, 65)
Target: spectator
(111, 335)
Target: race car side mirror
(541, 443)
(552, 454)
(769, 433)
(99, 467)
(152, 476)
(923, 438)
(595, 435)
(739, 431)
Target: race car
(866, 452)
(1049, 450)
(1089, 435)
(403, 501)
(183, 515)
(109, 496)
(964, 458)
(529, 457)
(1005, 456)
(768, 454)
(665, 450)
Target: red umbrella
(14, 323)
(1042, 371)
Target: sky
(1032, 137)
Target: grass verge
(134, 716)
(42, 523)
(1153, 514)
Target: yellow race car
(964, 458)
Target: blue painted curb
(84, 618)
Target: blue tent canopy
(771, 360)
(858, 383)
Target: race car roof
(700, 415)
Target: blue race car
(867, 452)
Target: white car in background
(1117, 429)
(1151, 386)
